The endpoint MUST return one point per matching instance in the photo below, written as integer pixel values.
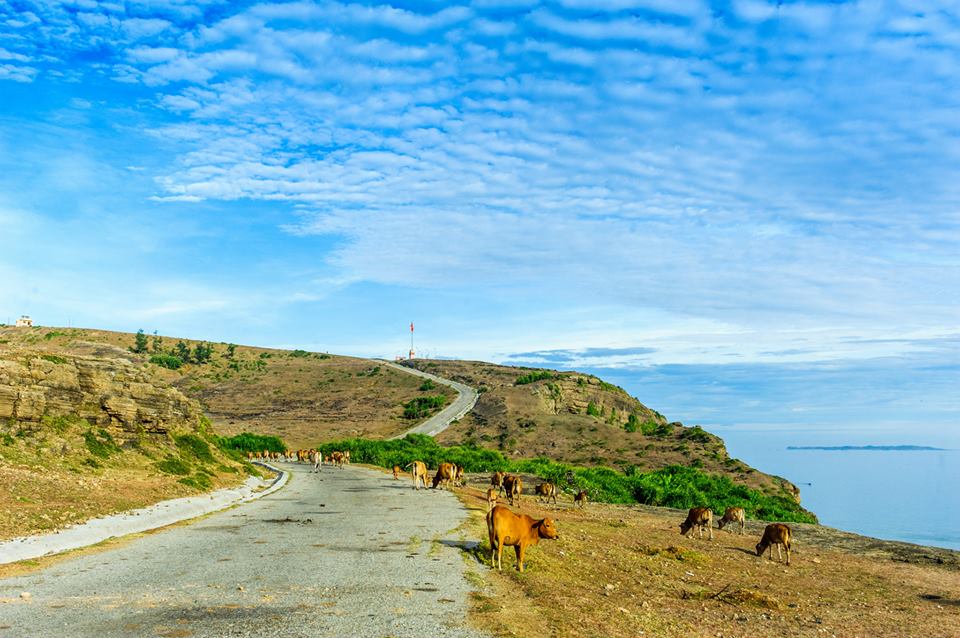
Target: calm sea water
(911, 496)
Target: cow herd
(507, 529)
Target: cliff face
(112, 393)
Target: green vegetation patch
(427, 385)
(249, 442)
(169, 361)
(173, 465)
(198, 481)
(100, 443)
(52, 358)
(671, 486)
(193, 446)
(533, 377)
(423, 406)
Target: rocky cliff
(113, 393)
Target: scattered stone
(25, 595)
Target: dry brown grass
(620, 572)
(304, 398)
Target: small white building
(24, 322)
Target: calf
(698, 517)
(445, 475)
(519, 530)
(776, 534)
(733, 515)
(418, 470)
(496, 480)
(396, 472)
(458, 475)
(317, 459)
(581, 498)
(514, 488)
(546, 491)
(491, 499)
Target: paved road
(342, 553)
(442, 419)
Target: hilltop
(581, 419)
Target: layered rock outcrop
(113, 393)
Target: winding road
(348, 552)
(441, 420)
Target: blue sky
(746, 212)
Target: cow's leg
(779, 553)
(741, 528)
(710, 529)
(519, 551)
(788, 554)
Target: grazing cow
(776, 534)
(346, 457)
(580, 498)
(698, 517)
(519, 530)
(317, 459)
(496, 480)
(732, 515)
(514, 488)
(458, 475)
(445, 475)
(337, 459)
(546, 491)
(396, 472)
(418, 470)
(491, 499)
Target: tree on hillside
(139, 342)
(182, 351)
(231, 348)
(202, 352)
(157, 345)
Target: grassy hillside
(299, 396)
(580, 419)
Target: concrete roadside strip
(141, 520)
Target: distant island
(882, 448)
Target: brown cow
(546, 491)
(445, 475)
(317, 459)
(732, 515)
(519, 530)
(458, 475)
(418, 470)
(491, 499)
(581, 498)
(396, 472)
(776, 534)
(496, 480)
(698, 517)
(514, 488)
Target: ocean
(911, 496)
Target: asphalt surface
(440, 421)
(341, 553)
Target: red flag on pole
(411, 326)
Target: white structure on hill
(24, 322)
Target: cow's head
(547, 529)
(685, 526)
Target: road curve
(346, 552)
(442, 419)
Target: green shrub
(697, 434)
(533, 377)
(299, 353)
(652, 428)
(427, 385)
(173, 465)
(52, 358)
(169, 361)
(100, 443)
(423, 406)
(249, 442)
(194, 446)
(197, 481)
(633, 423)
(593, 409)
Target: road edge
(444, 418)
(137, 521)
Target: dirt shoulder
(626, 571)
